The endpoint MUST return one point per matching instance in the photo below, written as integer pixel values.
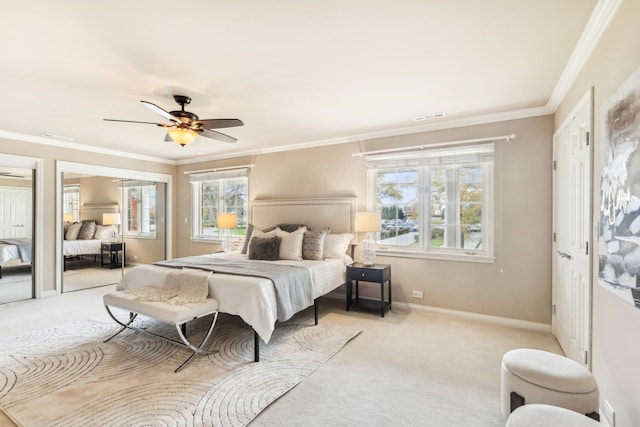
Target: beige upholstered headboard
(316, 213)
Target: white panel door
(572, 228)
(15, 212)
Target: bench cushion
(163, 311)
(546, 415)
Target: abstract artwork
(619, 245)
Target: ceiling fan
(184, 126)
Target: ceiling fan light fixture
(182, 136)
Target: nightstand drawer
(366, 274)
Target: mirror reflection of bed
(95, 231)
(16, 232)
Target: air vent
(429, 116)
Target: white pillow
(336, 245)
(73, 231)
(260, 233)
(291, 244)
(105, 232)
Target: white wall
(616, 323)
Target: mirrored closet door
(16, 234)
(110, 224)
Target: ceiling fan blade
(217, 135)
(134, 121)
(220, 123)
(163, 113)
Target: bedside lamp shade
(225, 222)
(68, 217)
(111, 219)
(368, 223)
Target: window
(139, 203)
(435, 201)
(71, 201)
(213, 192)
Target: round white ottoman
(536, 376)
(548, 416)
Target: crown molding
(601, 17)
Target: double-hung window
(214, 192)
(71, 201)
(435, 202)
(139, 204)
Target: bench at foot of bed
(177, 315)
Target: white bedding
(81, 247)
(251, 298)
(8, 253)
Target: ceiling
(298, 73)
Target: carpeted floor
(73, 378)
(409, 368)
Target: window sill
(436, 256)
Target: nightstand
(113, 258)
(377, 273)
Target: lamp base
(368, 251)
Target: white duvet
(251, 298)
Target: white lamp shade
(68, 217)
(367, 222)
(110, 219)
(227, 220)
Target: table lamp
(369, 223)
(225, 222)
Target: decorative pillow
(264, 248)
(291, 244)
(336, 245)
(290, 228)
(259, 233)
(87, 231)
(72, 231)
(247, 238)
(105, 232)
(313, 244)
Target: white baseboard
(505, 321)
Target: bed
(85, 238)
(257, 298)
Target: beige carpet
(69, 377)
(409, 368)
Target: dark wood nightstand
(377, 273)
(113, 258)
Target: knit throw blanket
(180, 287)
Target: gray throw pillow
(87, 231)
(264, 248)
(313, 244)
(247, 237)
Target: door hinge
(553, 309)
(554, 236)
(587, 136)
(555, 164)
(586, 250)
(586, 357)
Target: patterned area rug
(70, 377)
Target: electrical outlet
(418, 294)
(609, 413)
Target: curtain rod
(220, 169)
(437, 144)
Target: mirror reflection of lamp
(369, 223)
(114, 220)
(225, 222)
(68, 217)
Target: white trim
(36, 164)
(602, 14)
(503, 321)
(229, 168)
(83, 147)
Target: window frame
(412, 161)
(222, 178)
(144, 209)
(71, 196)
